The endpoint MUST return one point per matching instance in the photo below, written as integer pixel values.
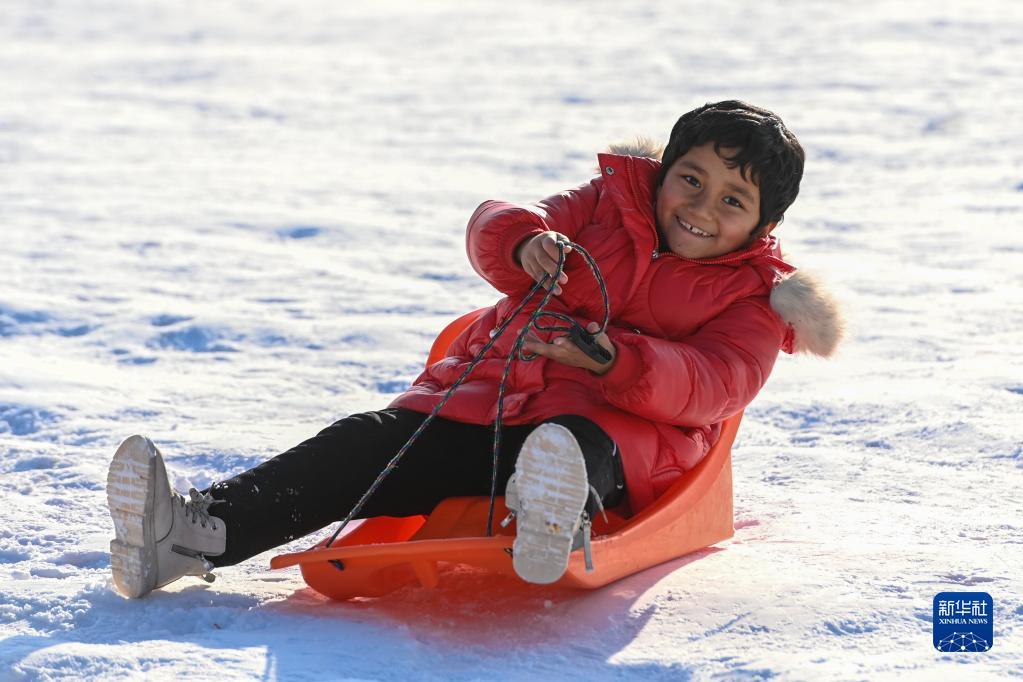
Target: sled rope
(516, 353)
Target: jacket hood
(799, 298)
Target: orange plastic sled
(383, 554)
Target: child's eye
(732, 201)
(691, 180)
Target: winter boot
(547, 494)
(160, 534)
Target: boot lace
(197, 507)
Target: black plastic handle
(587, 343)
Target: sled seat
(383, 554)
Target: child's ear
(769, 227)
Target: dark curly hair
(769, 154)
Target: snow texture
(226, 225)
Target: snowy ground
(226, 225)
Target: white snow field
(227, 224)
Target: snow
(227, 225)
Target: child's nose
(699, 207)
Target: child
(701, 302)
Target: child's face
(704, 208)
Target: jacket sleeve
(700, 379)
(497, 228)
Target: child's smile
(695, 230)
(705, 208)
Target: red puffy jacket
(696, 339)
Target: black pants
(319, 481)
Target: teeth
(695, 230)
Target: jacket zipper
(632, 187)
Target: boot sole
(130, 500)
(552, 487)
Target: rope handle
(573, 328)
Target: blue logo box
(963, 621)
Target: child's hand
(539, 256)
(566, 352)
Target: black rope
(516, 352)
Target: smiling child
(701, 304)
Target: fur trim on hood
(812, 312)
(638, 146)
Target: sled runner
(383, 554)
